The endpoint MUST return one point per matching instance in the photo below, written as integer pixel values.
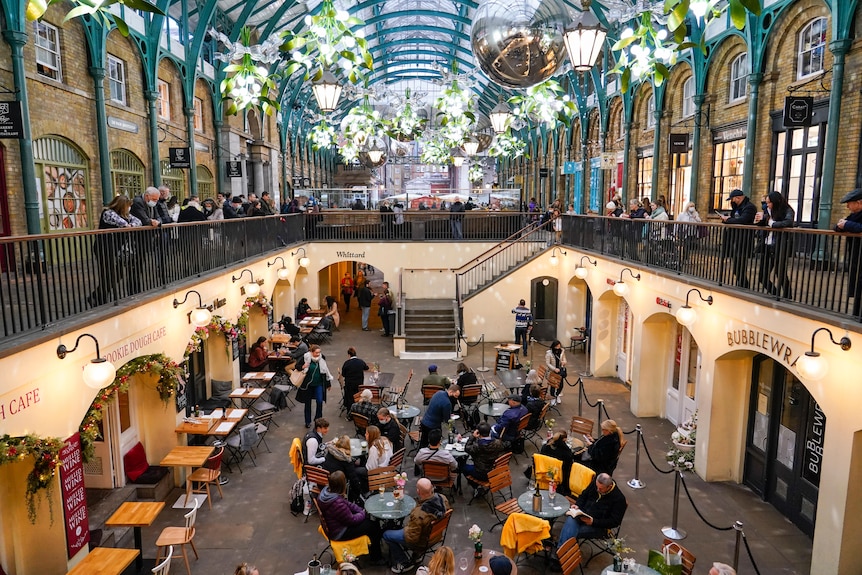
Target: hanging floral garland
(46, 453)
(216, 325)
(242, 321)
(171, 377)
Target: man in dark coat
(739, 242)
(364, 297)
(353, 372)
(852, 224)
(600, 507)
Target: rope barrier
(750, 556)
(696, 510)
(646, 450)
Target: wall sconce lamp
(283, 272)
(554, 259)
(686, 314)
(303, 261)
(581, 271)
(99, 372)
(201, 315)
(811, 365)
(252, 288)
(620, 288)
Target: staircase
(495, 264)
(430, 329)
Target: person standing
(777, 213)
(113, 251)
(317, 380)
(364, 297)
(386, 303)
(438, 412)
(456, 219)
(387, 218)
(852, 224)
(739, 243)
(523, 325)
(346, 290)
(555, 359)
(353, 372)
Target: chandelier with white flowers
(249, 86)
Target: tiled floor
(253, 523)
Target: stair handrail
(523, 236)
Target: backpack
(297, 499)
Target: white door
(99, 471)
(682, 387)
(624, 329)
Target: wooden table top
(135, 514)
(223, 428)
(243, 393)
(187, 456)
(105, 561)
(200, 426)
(280, 338)
(259, 376)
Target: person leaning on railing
(852, 224)
(113, 251)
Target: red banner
(74, 496)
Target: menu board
(74, 496)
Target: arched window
(174, 178)
(127, 173)
(650, 113)
(739, 71)
(205, 182)
(64, 178)
(688, 98)
(812, 47)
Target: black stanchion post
(635, 482)
(600, 404)
(580, 397)
(673, 532)
(737, 526)
(483, 368)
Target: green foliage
(97, 9)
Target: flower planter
(686, 447)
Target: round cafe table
(638, 569)
(550, 511)
(493, 409)
(479, 566)
(405, 413)
(385, 507)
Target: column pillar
(98, 74)
(656, 150)
(839, 49)
(152, 97)
(754, 81)
(699, 99)
(193, 170)
(627, 144)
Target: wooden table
(280, 338)
(250, 395)
(309, 322)
(264, 376)
(196, 426)
(136, 514)
(105, 561)
(187, 456)
(479, 566)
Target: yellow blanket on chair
(296, 456)
(523, 533)
(543, 465)
(355, 547)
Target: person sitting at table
(353, 372)
(466, 376)
(302, 309)
(439, 410)
(389, 427)
(434, 453)
(257, 355)
(298, 352)
(531, 380)
(442, 563)
(288, 326)
(434, 380)
(535, 404)
(602, 454)
(500, 565)
(604, 506)
(313, 447)
(379, 448)
(484, 451)
(332, 311)
(346, 520)
(338, 458)
(365, 407)
(417, 528)
(557, 448)
(506, 428)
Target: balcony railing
(817, 269)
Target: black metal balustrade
(819, 265)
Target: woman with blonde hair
(442, 563)
(379, 448)
(602, 454)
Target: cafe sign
(74, 496)
(11, 122)
(180, 158)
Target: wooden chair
(439, 474)
(164, 567)
(332, 546)
(555, 383)
(688, 559)
(427, 392)
(505, 509)
(499, 479)
(262, 424)
(205, 476)
(317, 478)
(523, 424)
(361, 422)
(570, 556)
(381, 477)
(181, 536)
(469, 400)
(436, 538)
(542, 371)
(546, 462)
(375, 393)
(580, 477)
(397, 459)
(397, 394)
(581, 426)
(535, 434)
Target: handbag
(666, 561)
(297, 377)
(563, 372)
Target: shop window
(680, 182)
(812, 47)
(164, 103)
(798, 157)
(48, 51)
(688, 98)
(127, 173)
(63, 176)
(650, 113)
(739, 71)
(727, 172)
(644, 185)
(205, 182)
(174, 178)
(199, 115)
(117, 79)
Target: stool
(578, 340)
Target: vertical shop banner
(74, 496)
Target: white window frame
(199, 115)
(688, 98)
(164, 104)
(739, 71)
(650, 112)
(809, 53)
(47, 40)
(117, 79)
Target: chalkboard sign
(504, 360)
(182, 400)
(271, 317)
(234, 348)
